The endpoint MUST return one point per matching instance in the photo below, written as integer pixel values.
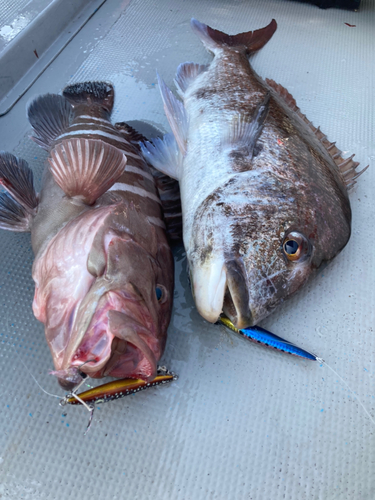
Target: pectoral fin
(244, 132)
(86, 168)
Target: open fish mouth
(221, 286)
(236, 303)
(120, 342)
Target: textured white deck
(242, 422)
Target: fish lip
(112, 308)
(236, 303)
(208, 287)
(222, 285)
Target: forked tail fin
(250, 41)
(17, 205)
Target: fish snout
(221, 286)
(208, 287)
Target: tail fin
(86, 168)
(98, 93)
(50, 116)
(250, 41)
(18, 205)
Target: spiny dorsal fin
(86, 168)
(49, 115)
(130, 133)
(346, 166)
(168, 188)
(98, 93)
(169, 192)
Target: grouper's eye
(161, 293)
(296, 247)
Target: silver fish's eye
(295, 246)
(291, 247)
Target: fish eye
(295, 246)
(160, 293)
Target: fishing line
(35, 380)
(28, 370)
(61, 398)
(320, 360)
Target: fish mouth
(121, 341)
(236, 299)
(221, 286)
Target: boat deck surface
(242, 421)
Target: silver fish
(264, 194)
(103, 268)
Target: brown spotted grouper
(264, 194)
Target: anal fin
(346, 166)
(86, 168)
(186, 74)
(50, 116)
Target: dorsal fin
(346, 166)
(131, 134)
(169, 192)
(168, 188)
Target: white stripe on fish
(101, 134)
(139, 171)
(156, 221)
(101, 120)
(120, 186)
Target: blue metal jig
(262, 336)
